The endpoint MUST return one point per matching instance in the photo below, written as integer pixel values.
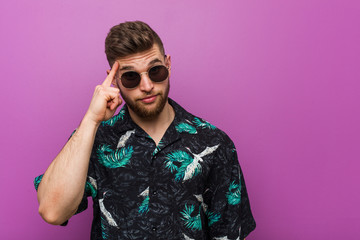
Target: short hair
(129, 38)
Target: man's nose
(146, 84)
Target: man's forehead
(138, 64)
(145, 58)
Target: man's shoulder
(115, 119)
(114, 126)
(206, 131)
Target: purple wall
(280, 77)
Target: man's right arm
(62, 186)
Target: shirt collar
(170, 136)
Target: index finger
(110, 77)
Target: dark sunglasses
(132, 79)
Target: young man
(154, 171)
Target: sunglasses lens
(130, 79)
(158, 73)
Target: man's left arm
(229, 214)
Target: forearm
(62, 186)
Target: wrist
(89, 122)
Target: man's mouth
(149, 99)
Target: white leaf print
(195, 166)
(92, 182)
(145, 192)
(124, 138)
(106, 213)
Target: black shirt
(189, 186)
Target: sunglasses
(132, 79)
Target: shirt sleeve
(228, 207)
(90, 188)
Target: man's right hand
(106, 99)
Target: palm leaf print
(123, 139)
(185, 127)
(222, 238)
(114, 158)
(156, 151)
(104, 229)
(212, 217)
(144, 207)
(189, 166)
(177, 156)
(204, 124)
(188, 170)
(192, 222)
(91, 187)
(234, 194)
(37, 181)
(193, 168)
(114, 119)
(106, 213)
(187, 238)
(158, 147)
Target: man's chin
(149, 111)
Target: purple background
(280, 77)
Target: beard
(142, 111)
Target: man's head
(129, 38)
(140, 54)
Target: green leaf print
(144, 207)
(192, 222)
(176, 156)
(37, 181)
(185, 127)
(158, 147)
(212, 217)
(104, 229)
(234, 194)
(91, 187)
(189, 166)
(203, 124)
(114, 158)
(188, 170)
(111, 122)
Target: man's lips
(149, 99)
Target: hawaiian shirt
(189, 186)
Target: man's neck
(155, 127)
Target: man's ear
(168, 61)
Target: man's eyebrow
(125, 67)
(156, 60)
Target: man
(154, 171)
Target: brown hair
(129, 38)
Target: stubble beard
(141, 111)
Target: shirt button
(155, 192)
(154, 229)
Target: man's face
(147, 100)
